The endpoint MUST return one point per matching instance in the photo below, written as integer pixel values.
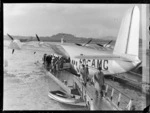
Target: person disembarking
(87, 72)
(57, 68)
(99, 82)
(61, 63)
(44, 60)
(52, 65)
(48, 62)
(83, 74)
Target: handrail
(117, 105)
(129, 105)
(118, 90)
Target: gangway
(112, 100)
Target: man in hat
(99, 82)
(48, 62)
(44, 59)
(87, 72)
(83, 74)
(52, 65)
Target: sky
(47, 19)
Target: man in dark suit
(99, 82)
(83, 74)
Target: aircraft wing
(97, 47)
(51, 48)
(59, 50)
(48, 48)
(33, 48)
(103, 57)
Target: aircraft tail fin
(128, 38)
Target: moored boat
(62, 97)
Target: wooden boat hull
(64, 98)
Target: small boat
(62, 97)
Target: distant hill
(66, 37)
(21, 38)
(63, 35)
(108, 38)
(57, 38)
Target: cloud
(14, 9)
(87, 20)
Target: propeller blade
(37, 38)
(78, 44)
(13, 51)
(87, 42)
(100, 45)
(10, 37)
(108, 43)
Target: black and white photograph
(64, 56)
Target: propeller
(100, 45)
(37, 38)
(40, 43)
(12, 40)
(87, 42)
(10, 37)
(104, 44)
(78, 44)
(108, 43)
(84, 44)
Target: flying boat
(123, 58)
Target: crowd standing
(54, 64)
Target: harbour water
(26, 87)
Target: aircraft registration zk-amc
(123, 58)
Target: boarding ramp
(88, 95)
(113, 98)
(111, 101)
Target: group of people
(53, 63)
(97, 81)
